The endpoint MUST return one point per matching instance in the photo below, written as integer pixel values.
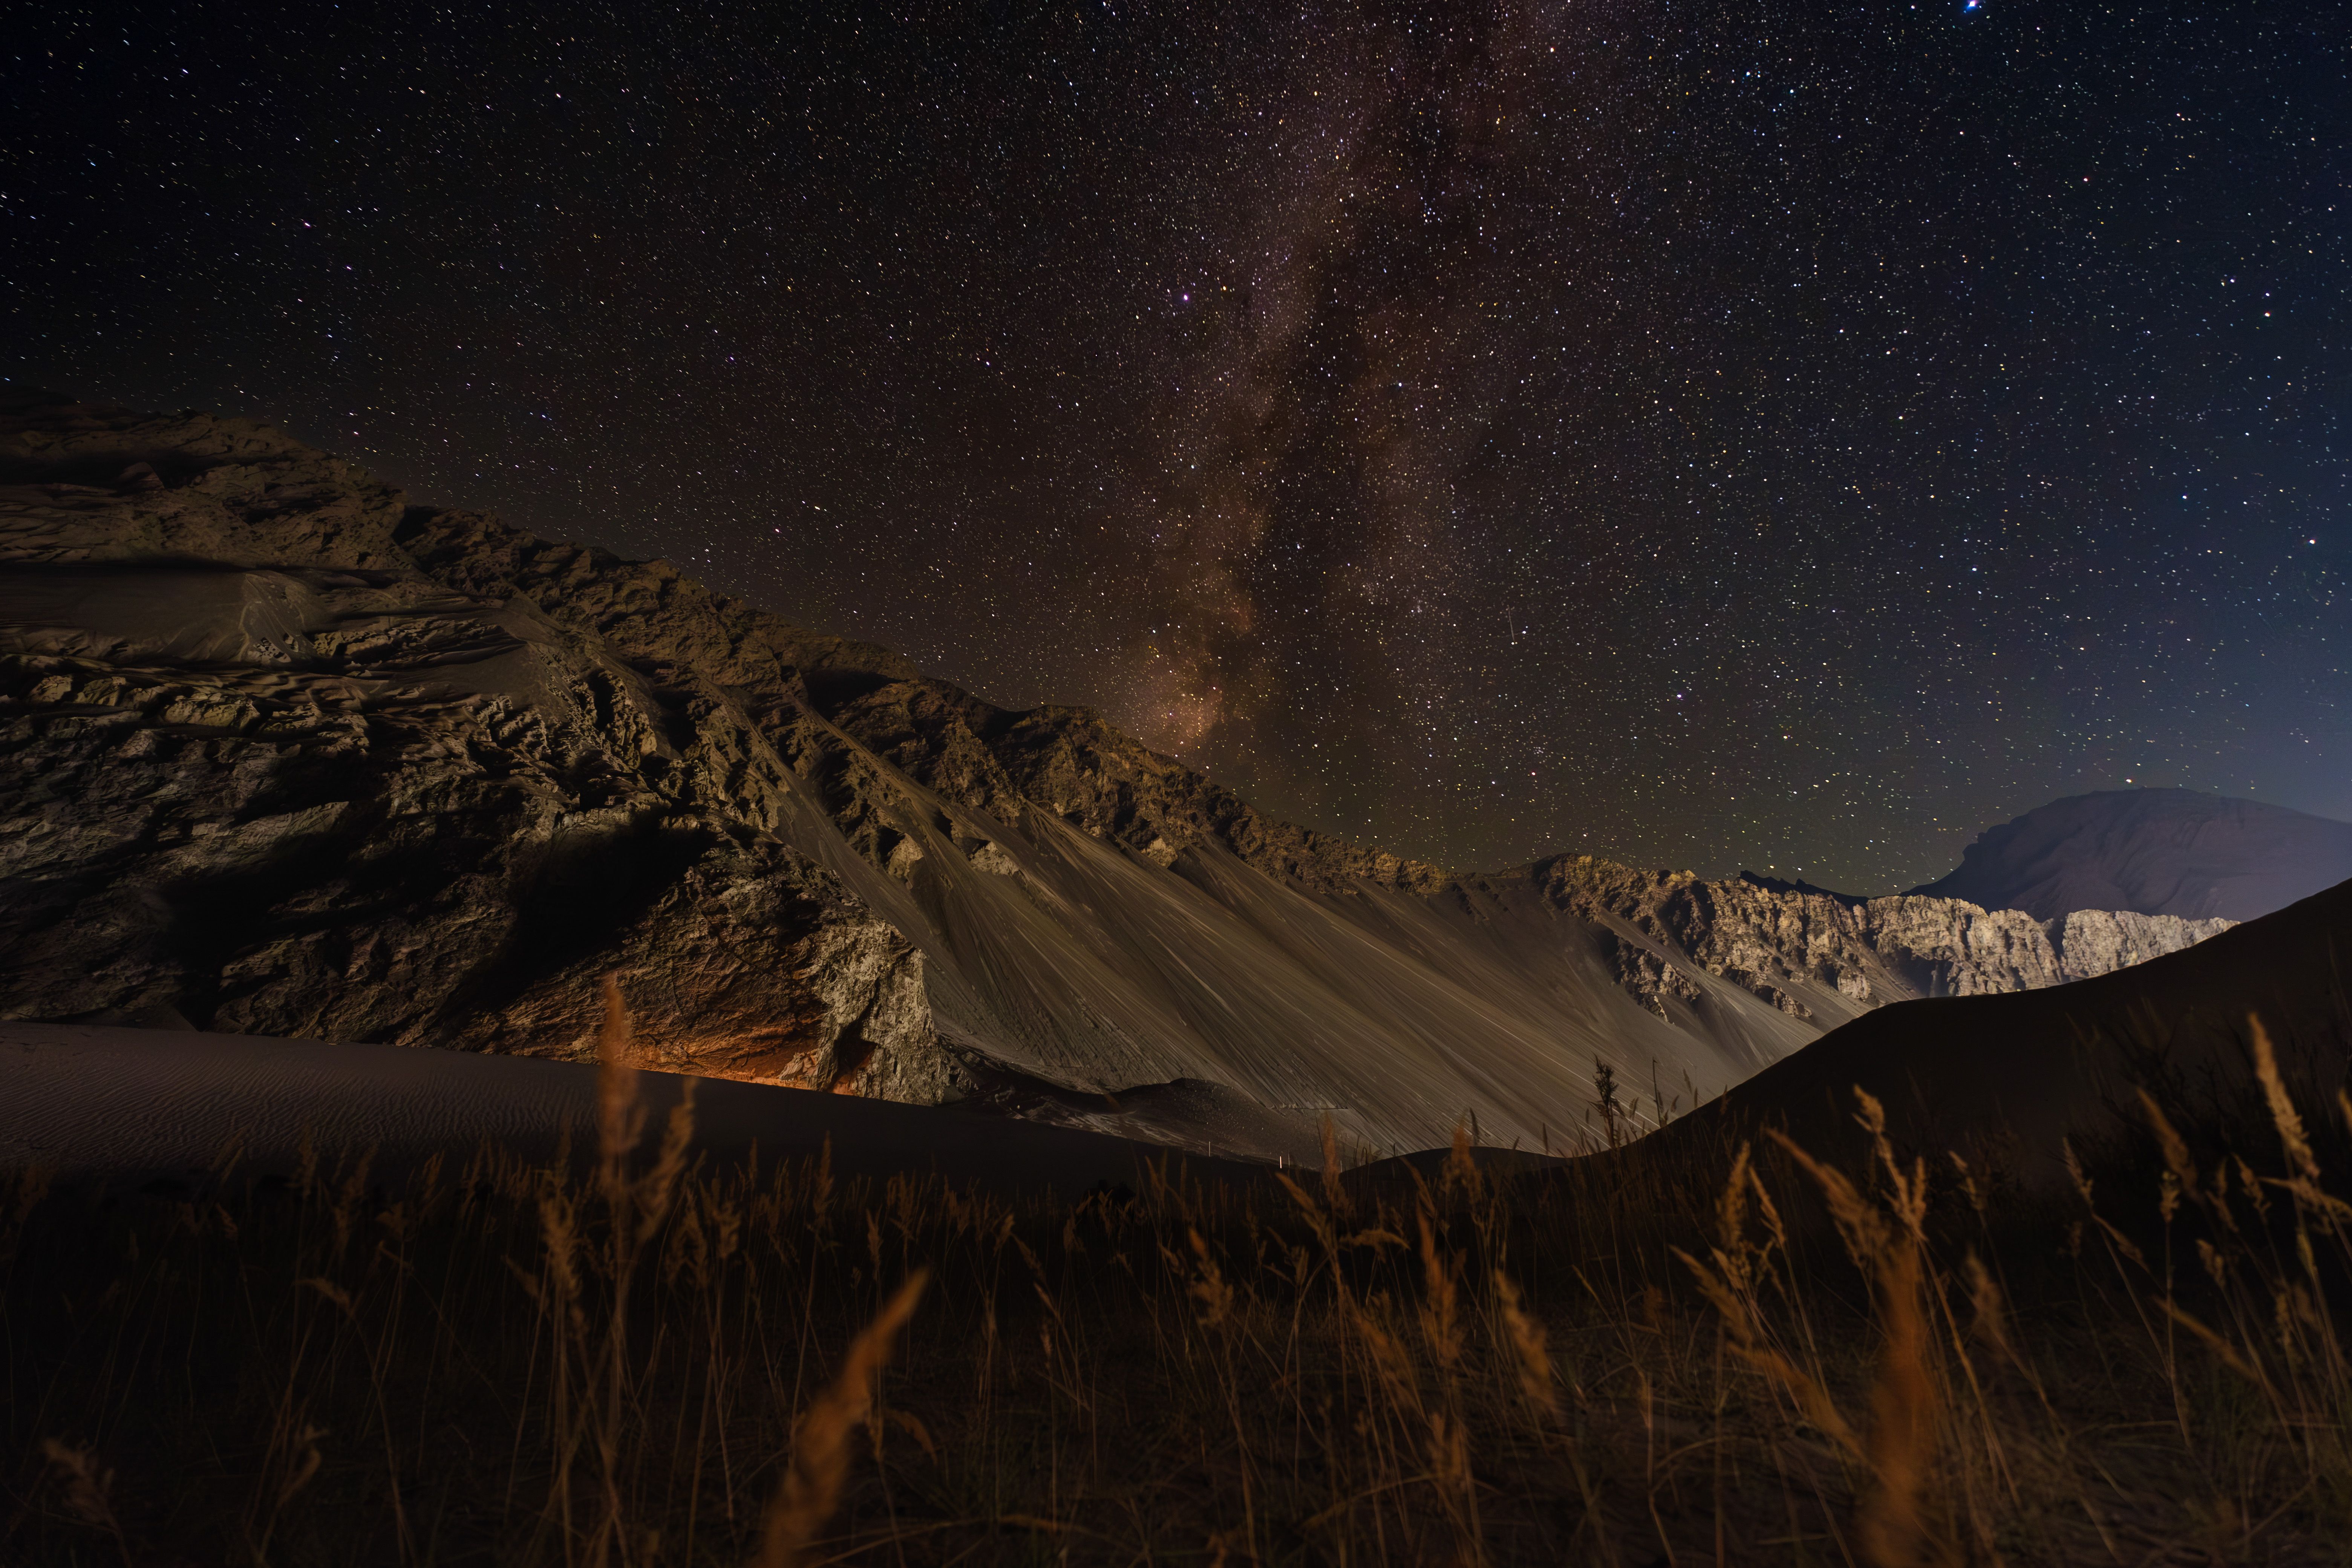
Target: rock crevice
(281, 754)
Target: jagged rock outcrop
(279, 754)
(263, 772)
(1781, 944)
(2031, 1087)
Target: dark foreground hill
(2154, 851)
(91, 1101)
(283, 755)
(2006, 1081)
(424, 1340)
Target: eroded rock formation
(281, 754)
(1776, 944)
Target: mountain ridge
(2154, 851)
(286, 756)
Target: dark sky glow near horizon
(1781, 435)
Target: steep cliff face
(263, 773)
(2009, 1082)
(279, 754)
(1798, 950)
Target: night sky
(1781, 435)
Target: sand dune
(82, 1099)
(2000, 1079)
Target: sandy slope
(2000, 1078)
(283, 756)
(76, 1098)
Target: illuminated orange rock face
(281, 755)
(266, 774)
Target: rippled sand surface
(86, 1099)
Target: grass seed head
(811, 1488)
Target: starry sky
(1783, 436)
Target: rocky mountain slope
(2155, 851)
(282, 756)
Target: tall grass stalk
(1704, 1349)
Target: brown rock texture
(282, 756)
(264, 773)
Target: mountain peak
(282, 755)
(2153, 852)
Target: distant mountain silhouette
(2153, 852)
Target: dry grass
(1740, 1355)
